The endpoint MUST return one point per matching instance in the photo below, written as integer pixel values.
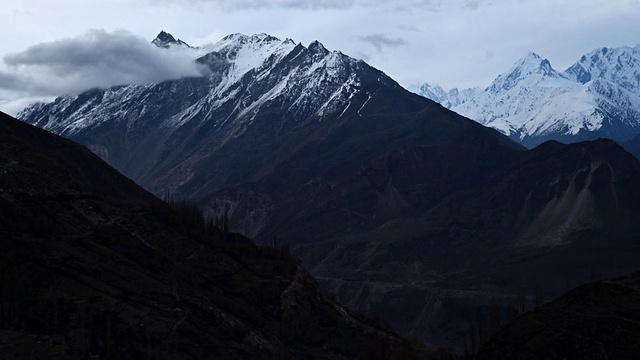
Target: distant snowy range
(598, 96)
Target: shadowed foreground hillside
(599, 320)
(92, 265)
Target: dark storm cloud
(96, 59)
(380, 41)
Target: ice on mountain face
(534, 100)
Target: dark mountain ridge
(92, 265)
(595, 321)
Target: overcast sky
(50, 48)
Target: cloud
(235, 5)
(380, 41)
(14, 106)
(239, 5)
(454, 43)
(95, 59)
(9, 81)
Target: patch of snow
(366, 102)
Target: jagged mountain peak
(449, 98)
(243, 53)
(433, 92)
(532, 64)
(165, 36)
(247, 52)
(531, 56)
(317, 46)
(232, 42)
(618, 65)
(166, 40)
(255, 40)
(244, 74)
(598, 96)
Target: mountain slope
(265, 101)
(595, 321)
(598, 96)
(92, 265)
(397, 204)
(555, 214)
(252, 77)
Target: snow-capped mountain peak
(598, 96)
(618, 65)
(449, 98)
(246, 75)
(238, 40)
(530, 66)
(533, 63)
(317, 47)
(238, 54)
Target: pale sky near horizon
(52, 48)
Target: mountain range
(598, 96)
(395, 203)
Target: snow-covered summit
(246, 74)
(617, 65)
(262, 100)
(598, 96)
(531, 66)
(242, 53)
